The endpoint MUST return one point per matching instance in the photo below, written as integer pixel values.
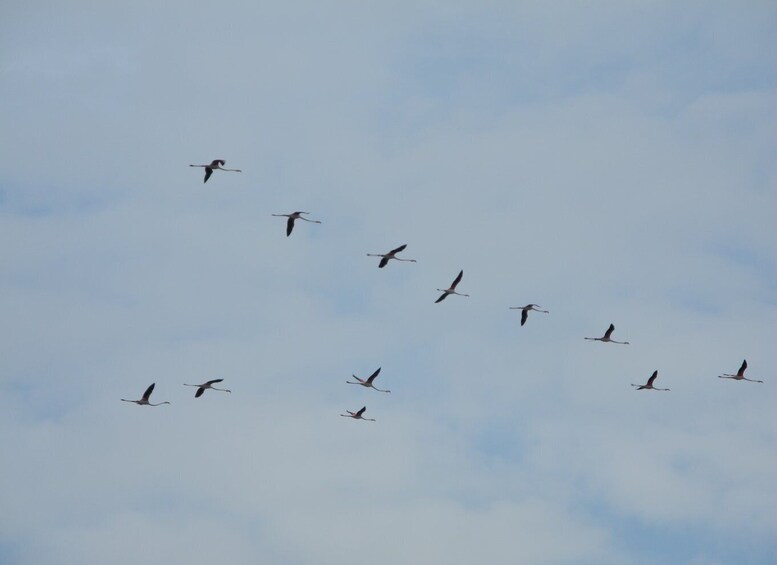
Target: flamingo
(369, 382)
(649, 384)
(606, 336)
(390, 255)
(215, 164)
(357, 415)
(740, 376)
(526, 309)
(201, 388)
(294, 216)
(144, 401)
(452, 289)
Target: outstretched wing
(148, 392)
(289, 226)
(524, 316)
(398, 249)
(208, 172)
(360, 412)
(609, 331)
(383, 262)
(458, 280)
(444, 295)
(741, 371)
(652, 378)
(199, 392)
(213, 382)
(373, 375)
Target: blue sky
(612, 162)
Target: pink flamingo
(208, 385)
(146, 395)
(294, 216)
(740, 376)
(606, 336)
(357, 415)
(390, 255)
(649, 384)
(215, 164)
(526, 309)
(367, 383)
(451, 289)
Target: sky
(610, 161)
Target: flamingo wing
(443, 297)
(289, 226)
(199, 392)
(609, 331)
(208, 172)
(652, 378)
(213, 382)
(524, 316)
(741, 371)
(360, 412)
(373, 375)
(398, 249)
(383, 262)
(149, 390)
(458, 279)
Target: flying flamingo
(357, 415)
(526, 309)
(215, 164)
(606, 336)
(369, 382)
(649, 384)
(144, 401)
(294, 216)
(452, 289)
(740, 376)
(201, 388)
(390, 255)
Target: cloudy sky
(610, 161)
